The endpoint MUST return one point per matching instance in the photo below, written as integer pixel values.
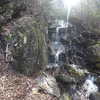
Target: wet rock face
(28, 46)
(77, 40)
(75, 51)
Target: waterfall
(56, 46)
(68, 42)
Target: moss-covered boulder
(28, 46)
(97, 48)
(76, 70)
(65, 79)
(96, 51)
(66, 96)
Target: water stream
(88, 88)
(57, 48)
(65, 48)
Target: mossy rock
(75, 72)
(96, 47)
(28, 46)
(66, 96)
(98, 65)
(65, 78)
(97, 59)
(96, 52)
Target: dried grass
(14, 86)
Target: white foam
(89, 86)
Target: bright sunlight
(70, 3)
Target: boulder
(48, 84)
(76, 70)
(65, 79)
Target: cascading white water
(68, 15)
(89, 86)
(60, 50)
(56, 46)
(61, 24)
(57, 49)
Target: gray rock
(48, 84)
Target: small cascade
(61, 24)
(88, 88)
(68, 15)
(57, 48)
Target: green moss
(98, 65)
(66, 96)
(97, 59)
(76, 73)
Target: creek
(66, 46)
